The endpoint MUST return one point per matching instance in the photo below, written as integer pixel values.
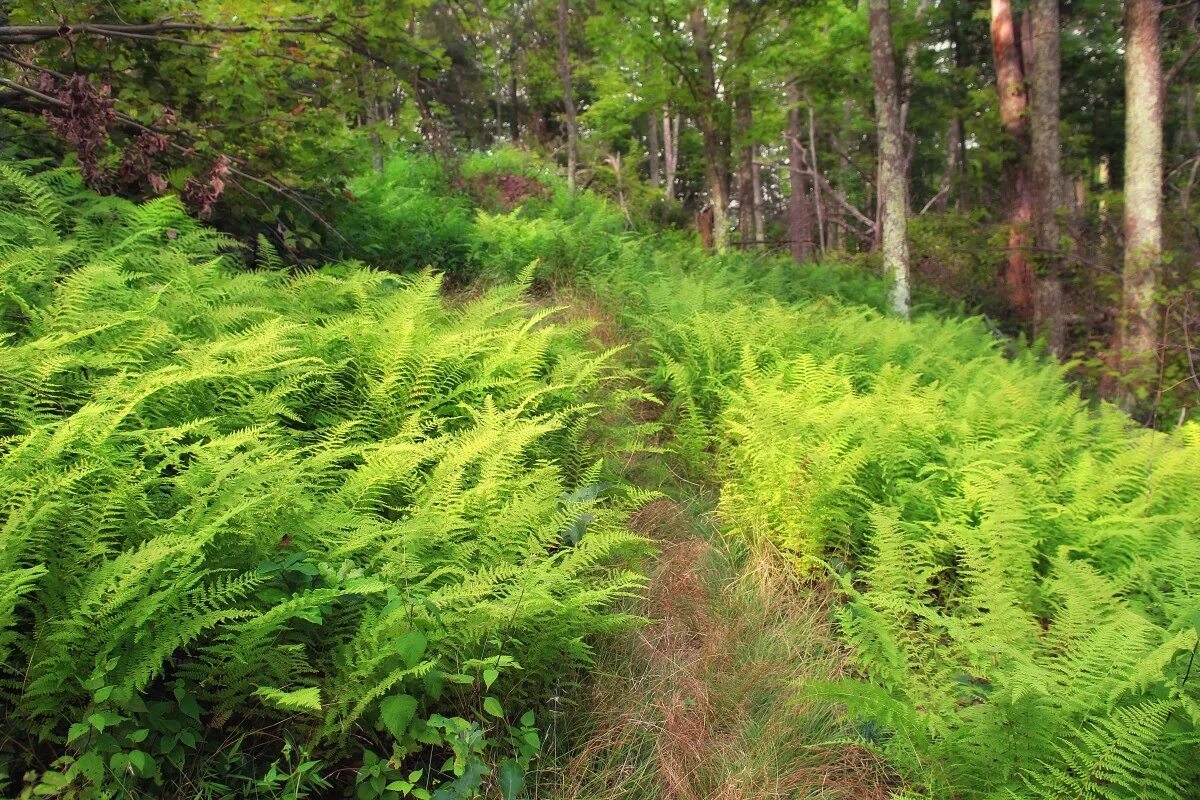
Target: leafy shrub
(258, 525)
(507, 160)
(405, 218)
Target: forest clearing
(599, 400)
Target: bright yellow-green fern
(247, 514)
(1021, 573)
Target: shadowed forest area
(599, 399)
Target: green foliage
(257, 524)
(407, 218)
(352, 527)
(289, 90)
(403, 218)
(1019, 569)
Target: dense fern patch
(1019, 568)
(1021, 571)
(267, 532)
(270, 534)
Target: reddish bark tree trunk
(800, 209)
(1010, 83)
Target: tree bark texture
(1049, 319)
(894, 245)
(652, 149)
(1010, 84)
(670, 150)
(745, 173)
(800, 208)
(715, 155)
(564, 68)
(1143, 185)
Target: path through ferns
(325, 533)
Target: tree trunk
(818, 202)
(564, 68)
(745, 173)
(1143, 188)
(738, 35)
(891, 156)
(950, 175)
(838, 231)
(514, 122)
(800, 211)
(1049, 319)
(760, 233)
(959, 187)
(715, 155)
(1010, 83)
(670, 151)
(652, 149)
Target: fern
(1019, 569)
(268, 503)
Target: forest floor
(704, 702)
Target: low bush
(406, 218)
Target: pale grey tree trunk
(818, 202)
(894, 245)
(1143, 187)
(670, 150)
(652, 148)
(760, 233)
(564, 67)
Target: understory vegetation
(338, 532)
(271, 534)
(1019, 571)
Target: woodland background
(761, 115)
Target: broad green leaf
(410, 647)
(396, 712)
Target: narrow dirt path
(701, 704)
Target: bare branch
(1177, 68)
(129, 122)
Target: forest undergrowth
(328, 533)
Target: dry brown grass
(582, 306)
(700, 704)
